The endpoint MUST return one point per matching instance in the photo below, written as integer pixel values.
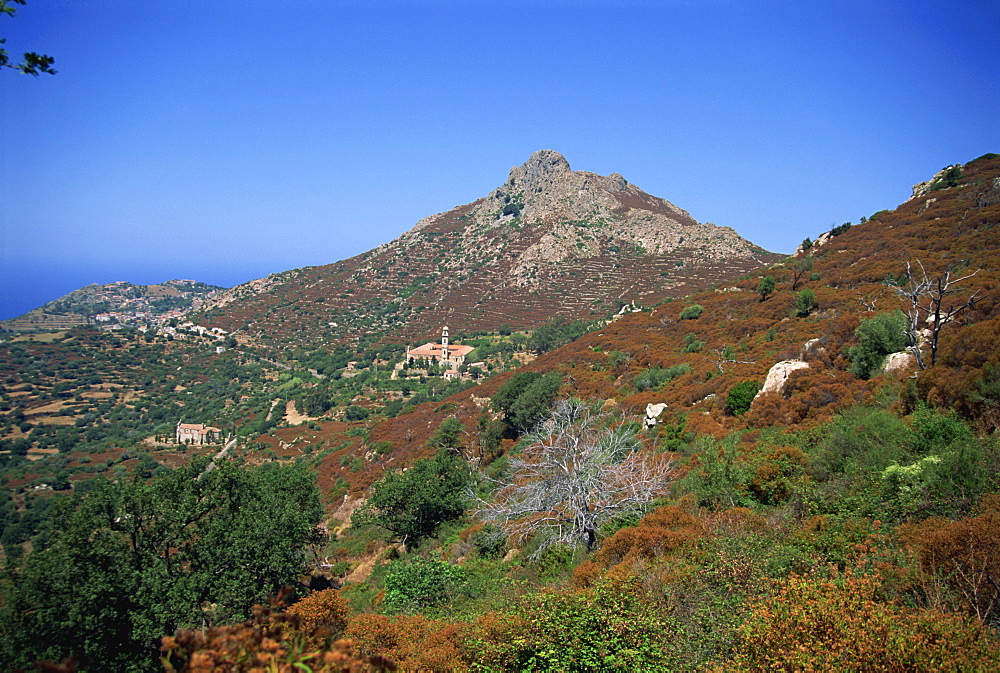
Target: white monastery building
(450, 356)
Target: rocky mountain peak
(548, 241)
(545, 189)
(542, 168)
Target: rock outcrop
(778, 375)
(898, 362)
(653, 412)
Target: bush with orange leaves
(659, 533)
(964, 556)
(413, 642)
(270, 641)
(813, 623)
(322, 612)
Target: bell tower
(444, 344)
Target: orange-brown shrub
(413, 642)
(269, 641)
(775, 473)
(660, 532)
(585, 574)
(737, 521)
(836, 624)
(325, 609)
(966, 553)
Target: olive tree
(766, 287)
(411, 505)
(578, 471)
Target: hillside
(849, 514)
(548, 242)
(120, 303)
(738, 337)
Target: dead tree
(727, 357)
(926, 301)
(577, 473)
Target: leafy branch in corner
(32, 63)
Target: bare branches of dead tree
(927, 300)
(578, 472)
(727, 356)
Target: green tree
(555, 333)
(524, 399)
(692, 344)
(692, 312)
(412, 504)
(799, 269)
(115, 569)
(878, 336)
(449, 434)
(356, 413)
(766, 287)
(805, 302)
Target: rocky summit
(549, 241)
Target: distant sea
(27, 284)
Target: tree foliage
(127, 563)
(524, 399)
(878, 336)
(805, 302)
(766, 287)
(741, 396)
(31, 63)
(412, 504)
(692, 312)
(555, 333)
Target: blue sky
(223, 140)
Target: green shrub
(419, 583)
(766, 287)
(741, 396)
(356, 413)
(490, 541)
(610, 627)
(878, 336)
(805, 303)
(692, 344)
(656, 377)
(692, 312)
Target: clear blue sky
(223, 140)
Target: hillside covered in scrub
(794, 467)
(549, 242)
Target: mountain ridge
(549, 241)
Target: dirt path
(292, 415)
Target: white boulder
(778, 375)
(653, 412)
